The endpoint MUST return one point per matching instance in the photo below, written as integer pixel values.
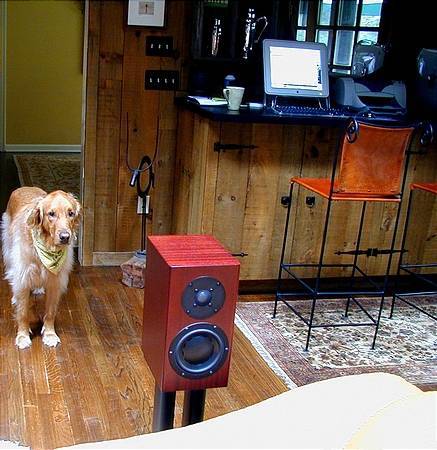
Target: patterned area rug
(406, 345)
(50, 171)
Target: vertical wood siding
(115, 91)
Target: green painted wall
(44, 72)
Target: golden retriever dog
(38, 230)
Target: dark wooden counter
(267, 115)
(232, 169)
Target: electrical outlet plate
(162, 80)
(159, 46)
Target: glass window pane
(301, 35)
(343, 47)
(322, 36)
(347, 14)
(325, 12)
(302, 18)
(371, 36)
(371, 13)
(325, 37)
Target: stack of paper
(207, 101)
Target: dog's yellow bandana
(52, 260)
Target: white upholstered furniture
(375, 410)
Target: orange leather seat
(322, 186)
(371, 166)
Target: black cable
(155, 154)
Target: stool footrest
(401, 298)
(424, 277)
(315, 291)
(421, 276)
(373, 321)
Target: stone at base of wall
(133, 272)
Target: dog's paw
(51, 339)
(23, 341)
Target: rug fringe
(264, 353)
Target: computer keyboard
(293, 110)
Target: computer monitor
(295, 68)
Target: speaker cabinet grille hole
(203, 297)
(198, 350)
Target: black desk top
(266, 115)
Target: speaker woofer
(198, 350)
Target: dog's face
(57, 216)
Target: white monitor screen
(295, 68)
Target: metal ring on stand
(136, 177)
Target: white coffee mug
(233, 95)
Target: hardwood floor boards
(96, 384)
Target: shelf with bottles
(231, 29)
(213, 29)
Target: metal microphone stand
(143, 198)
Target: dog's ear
(77, 208)
(36, 214)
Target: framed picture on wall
(148, 13)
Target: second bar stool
(372, 164)
(427, 280)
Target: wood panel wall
(116, 65)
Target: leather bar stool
(369, 166)
(425, 280)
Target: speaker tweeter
(203, 297)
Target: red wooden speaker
(190, 295)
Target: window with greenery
(339, 24)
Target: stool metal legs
(408, 269)
(319, 271)
(284, 244)
(315, 292)
(404, 238)
(357, 247)
(387, 273)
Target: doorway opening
(43, 71)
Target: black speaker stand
(163, 410)
(194, 407)
(164, 406)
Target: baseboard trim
(403, 283)
(42, 148)
(111, 258)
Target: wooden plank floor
(96, 384)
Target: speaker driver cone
(203, 297)
(198, 350)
